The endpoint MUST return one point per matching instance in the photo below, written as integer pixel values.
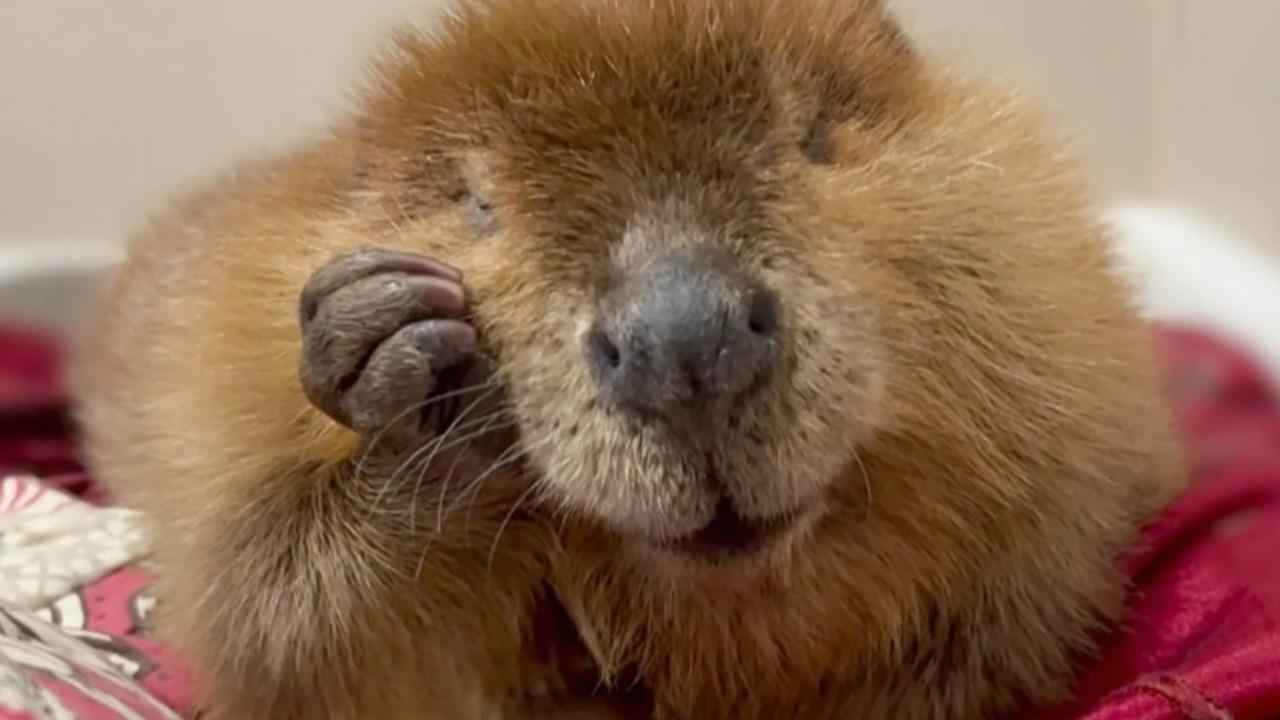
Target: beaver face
(699, 398)
(697, 391)
(638, 194)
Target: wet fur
(968, 401)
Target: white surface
(52, 284)
(18, 264)
(1188, 270)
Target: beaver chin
(730, 538)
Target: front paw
(378, 330)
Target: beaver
(782, 367)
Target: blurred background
(106, 107)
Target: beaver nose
(686, 328)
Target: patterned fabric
(51, 543)
(84, 652)
(112, 615)
(79, 648)
(47, 673)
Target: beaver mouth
(729, 536)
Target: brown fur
(967, 422)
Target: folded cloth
(52, 543)
(113, 616)
(49, 674)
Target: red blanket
(1202, 641)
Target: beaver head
(647, 200)
(815, 338)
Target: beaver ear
(861, 68)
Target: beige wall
(1171, 100)
(1083, 58)
(1217, 110)
(106, 106)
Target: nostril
(603, 350)
(763, 315)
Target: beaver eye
(478, 212)
(817, 144)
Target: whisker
(471, 493)
(513, 454)
(418, 407)
(390, 219)
(866, 483)
(486, 424)
(448, 479)
(565, 514)
(430, 448)
(435, 447)
(523, 450)
(493, 547)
